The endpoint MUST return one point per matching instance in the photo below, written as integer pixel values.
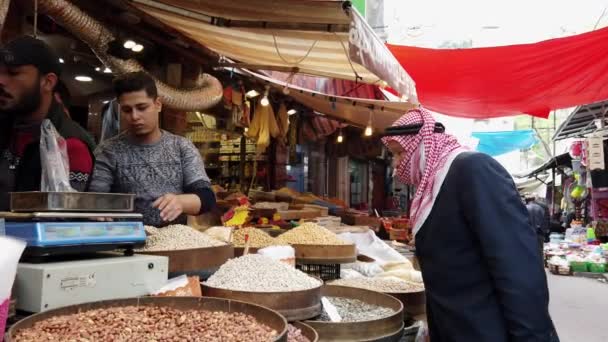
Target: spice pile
(148, 323)
(257, 273)
(295, 335)
(176, 237)
(310, 234)
(257, 238)
(354, 310)
(386, 285)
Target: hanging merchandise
(498, 143)
(110, 123)
(263, 126)
(595, 153)
(283, 123)
(293, 139)
(237, 108)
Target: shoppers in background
(165, 171)
(477, 251)
(537, 219)
(63, 97)
(29, 71)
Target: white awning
(319, 38)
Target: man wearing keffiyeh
(477, 250)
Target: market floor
(578, 307)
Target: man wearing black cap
(29, 71)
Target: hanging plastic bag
(54, 160)
(423, 332)
(11, 252)
(110, 124)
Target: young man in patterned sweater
(29, 72)
(165, 171)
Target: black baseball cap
(27, 50)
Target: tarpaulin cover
(509, 80)
(497, 143)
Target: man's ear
(158, 103)
(49, 81)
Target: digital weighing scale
(65, 231)
(66, 223)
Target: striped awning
(320, 38)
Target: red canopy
(510, 80)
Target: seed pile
(148, 323)
(310, 234)
(387, 285)
(176, 237)
(354, 310)
(257, 273)
(295, 335)
(257, 238)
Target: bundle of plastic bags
(54, 159)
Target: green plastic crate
(597, 268)
(579, 266)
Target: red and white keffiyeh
(426, 160)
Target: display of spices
(310, 233)
(176, 237)
(258, 273)
(386, 285)
(257, 238)
(148, 323)
(295, 335)
(355, 310)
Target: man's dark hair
(64, 93)
(135, 81)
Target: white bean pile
(310, 234)
(386, 285)
(354, 310)
(257, 273)
(176, 237)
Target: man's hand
(170, 207)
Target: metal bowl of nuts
(364, 316)
(154, 319)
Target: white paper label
(331, 310)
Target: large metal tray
(71, 201)
(383, 329)
(195, 259)
(263, 315)
(293, 305)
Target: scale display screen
(69, 233)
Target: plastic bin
(597, 268)
(579, 266)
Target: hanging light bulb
(291, 111)
(265, 102)
(286, 90)
(368, 129)
(340, 137)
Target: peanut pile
(295, 335)
(147, 324)
(257, 238)
(310, 234)
(257, 273)
(386, 285)
(176, 237)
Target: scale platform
(52, 233)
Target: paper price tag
(331, 310)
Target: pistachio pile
(386, 285)
(257, 238)
(176, 237)
(310, 233)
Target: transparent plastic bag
(54, 160)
